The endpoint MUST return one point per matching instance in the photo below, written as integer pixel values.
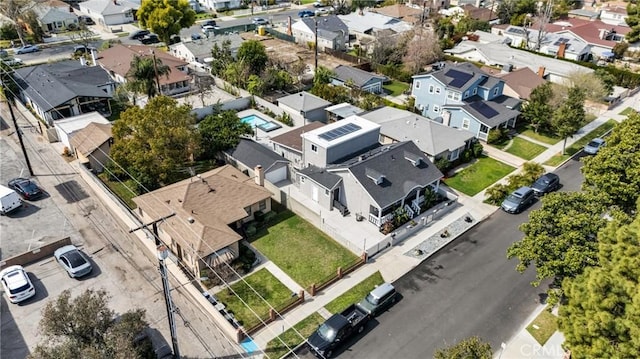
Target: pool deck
(262, 136)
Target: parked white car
(73, 261)
(16, 284)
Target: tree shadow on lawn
(264, 227)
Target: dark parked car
(150, 39)
(380, 298)
(83, 49)
(84, 19)
(306, 13)
(137, 35)
(196, 36)
(517, 201)
(26, 188)
(208, 23)
(549, 182)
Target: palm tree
(141, 77)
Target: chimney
(289, 31)
(541, 71)
(259, 173)
(561, 50)
(94, 56)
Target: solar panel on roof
(339, 131)
(459, 78)
(484, 109)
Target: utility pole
(155, 69)
(315, 19)
(18, 132)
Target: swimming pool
(259, 122)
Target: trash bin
(261, 30)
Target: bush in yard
(251, 230)
(443, 164)
(477, 149)
(387, 227)
(530, 172)
(496, 135)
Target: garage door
(277, 175)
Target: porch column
(437, 186)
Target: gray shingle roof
(328, 23)
(400, 175)
(251, 154)
(321, 176)
(54, 84)
(359, 77)
(201, 49)
(304, 101)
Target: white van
(9, 200)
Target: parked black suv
(137, 35)
(150, 39)
(517, 201)
(208, 23)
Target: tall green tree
(470, 348)
(601, 316)
(560, 237)
(254, 54)
(568, 118)
(221, 131)
(166, 17)
(537, 111)
(633, 20)
(85, 327)
(222, 57)
(16, 10)
(141, 77)
(151, 143)
(614, 173)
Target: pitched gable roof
(359, 77)
(491, 113)
(330, 23)
(399, 174)
(118, 59)
(252, 154)
(304, 101)
(204, 208)
(91, 137)
(109, 7)
(522, 81)
(293, 138)
(458, 76)
(54, 84)
(321, 176)
(398, 11)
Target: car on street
(73, 261)
(150, 39)
(12, 61)
(209, 28)
(306, 13)
(27, 49)
(196, 36)
(16, 284)
(26, 188)
(208, 23)
(87, 20)
(318, 4)
(82, 49)
(323, 10)
(519, 200)
(259, 21)
(139, 34)
(594, 146)
(382, 297)
(548, 182)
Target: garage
(277, 173)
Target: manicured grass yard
(301, 250)
(275, 348)
(354, 294)
(627, 111)
(578, 145)
(525, 149)
(480, 175)
(121, 189)
(540, 137)
(263, 282)
(546, 324)
(396, 88)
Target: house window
(417, 85)
(436, 108)
(475, 91)
(326, 192)
(465, 123)
(314, 148)
(374, 210)
(248, 210)
(454, 154)
(437, 89)
(484, 129)
(430, 88)
(466, 94)
(301, 179)
(262, 205)
(495, 91)
(451, 95)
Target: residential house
(332, 32)
(431, 5)
(519, 83)
(248, 155)
(110, 12)
(289, 144)
(55, 15)
(352, 77)
(198, 52)
(367, 25)
(221, 4)
(601, 37)
(411, 15)
(63, 89)
(201, 216)
(614, 15)
(434, 139)
(583, 14)
(117, 61)
(304, 106)
(68, 127)
(561, 46)
(341, 111)
(92, 145)
(463, 96)
(500, 54)
(348, 170)
(481, 13)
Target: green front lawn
(543, 327)
(269, 288)
(579, 144)
(125, 190)
(627, 111)
(354, 294)
(301, 250)
(544, 138)
(480, 175)
(525, 149)
(396, 88)
(276, 349)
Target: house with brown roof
(289, 144)
(117, 61)
(92, 145)
(203, 215)
(481, 13)
(403, 12)
(519, 83)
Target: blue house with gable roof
(463, 96)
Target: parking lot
(130, 277)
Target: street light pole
(315, 19)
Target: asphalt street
(469, 288)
